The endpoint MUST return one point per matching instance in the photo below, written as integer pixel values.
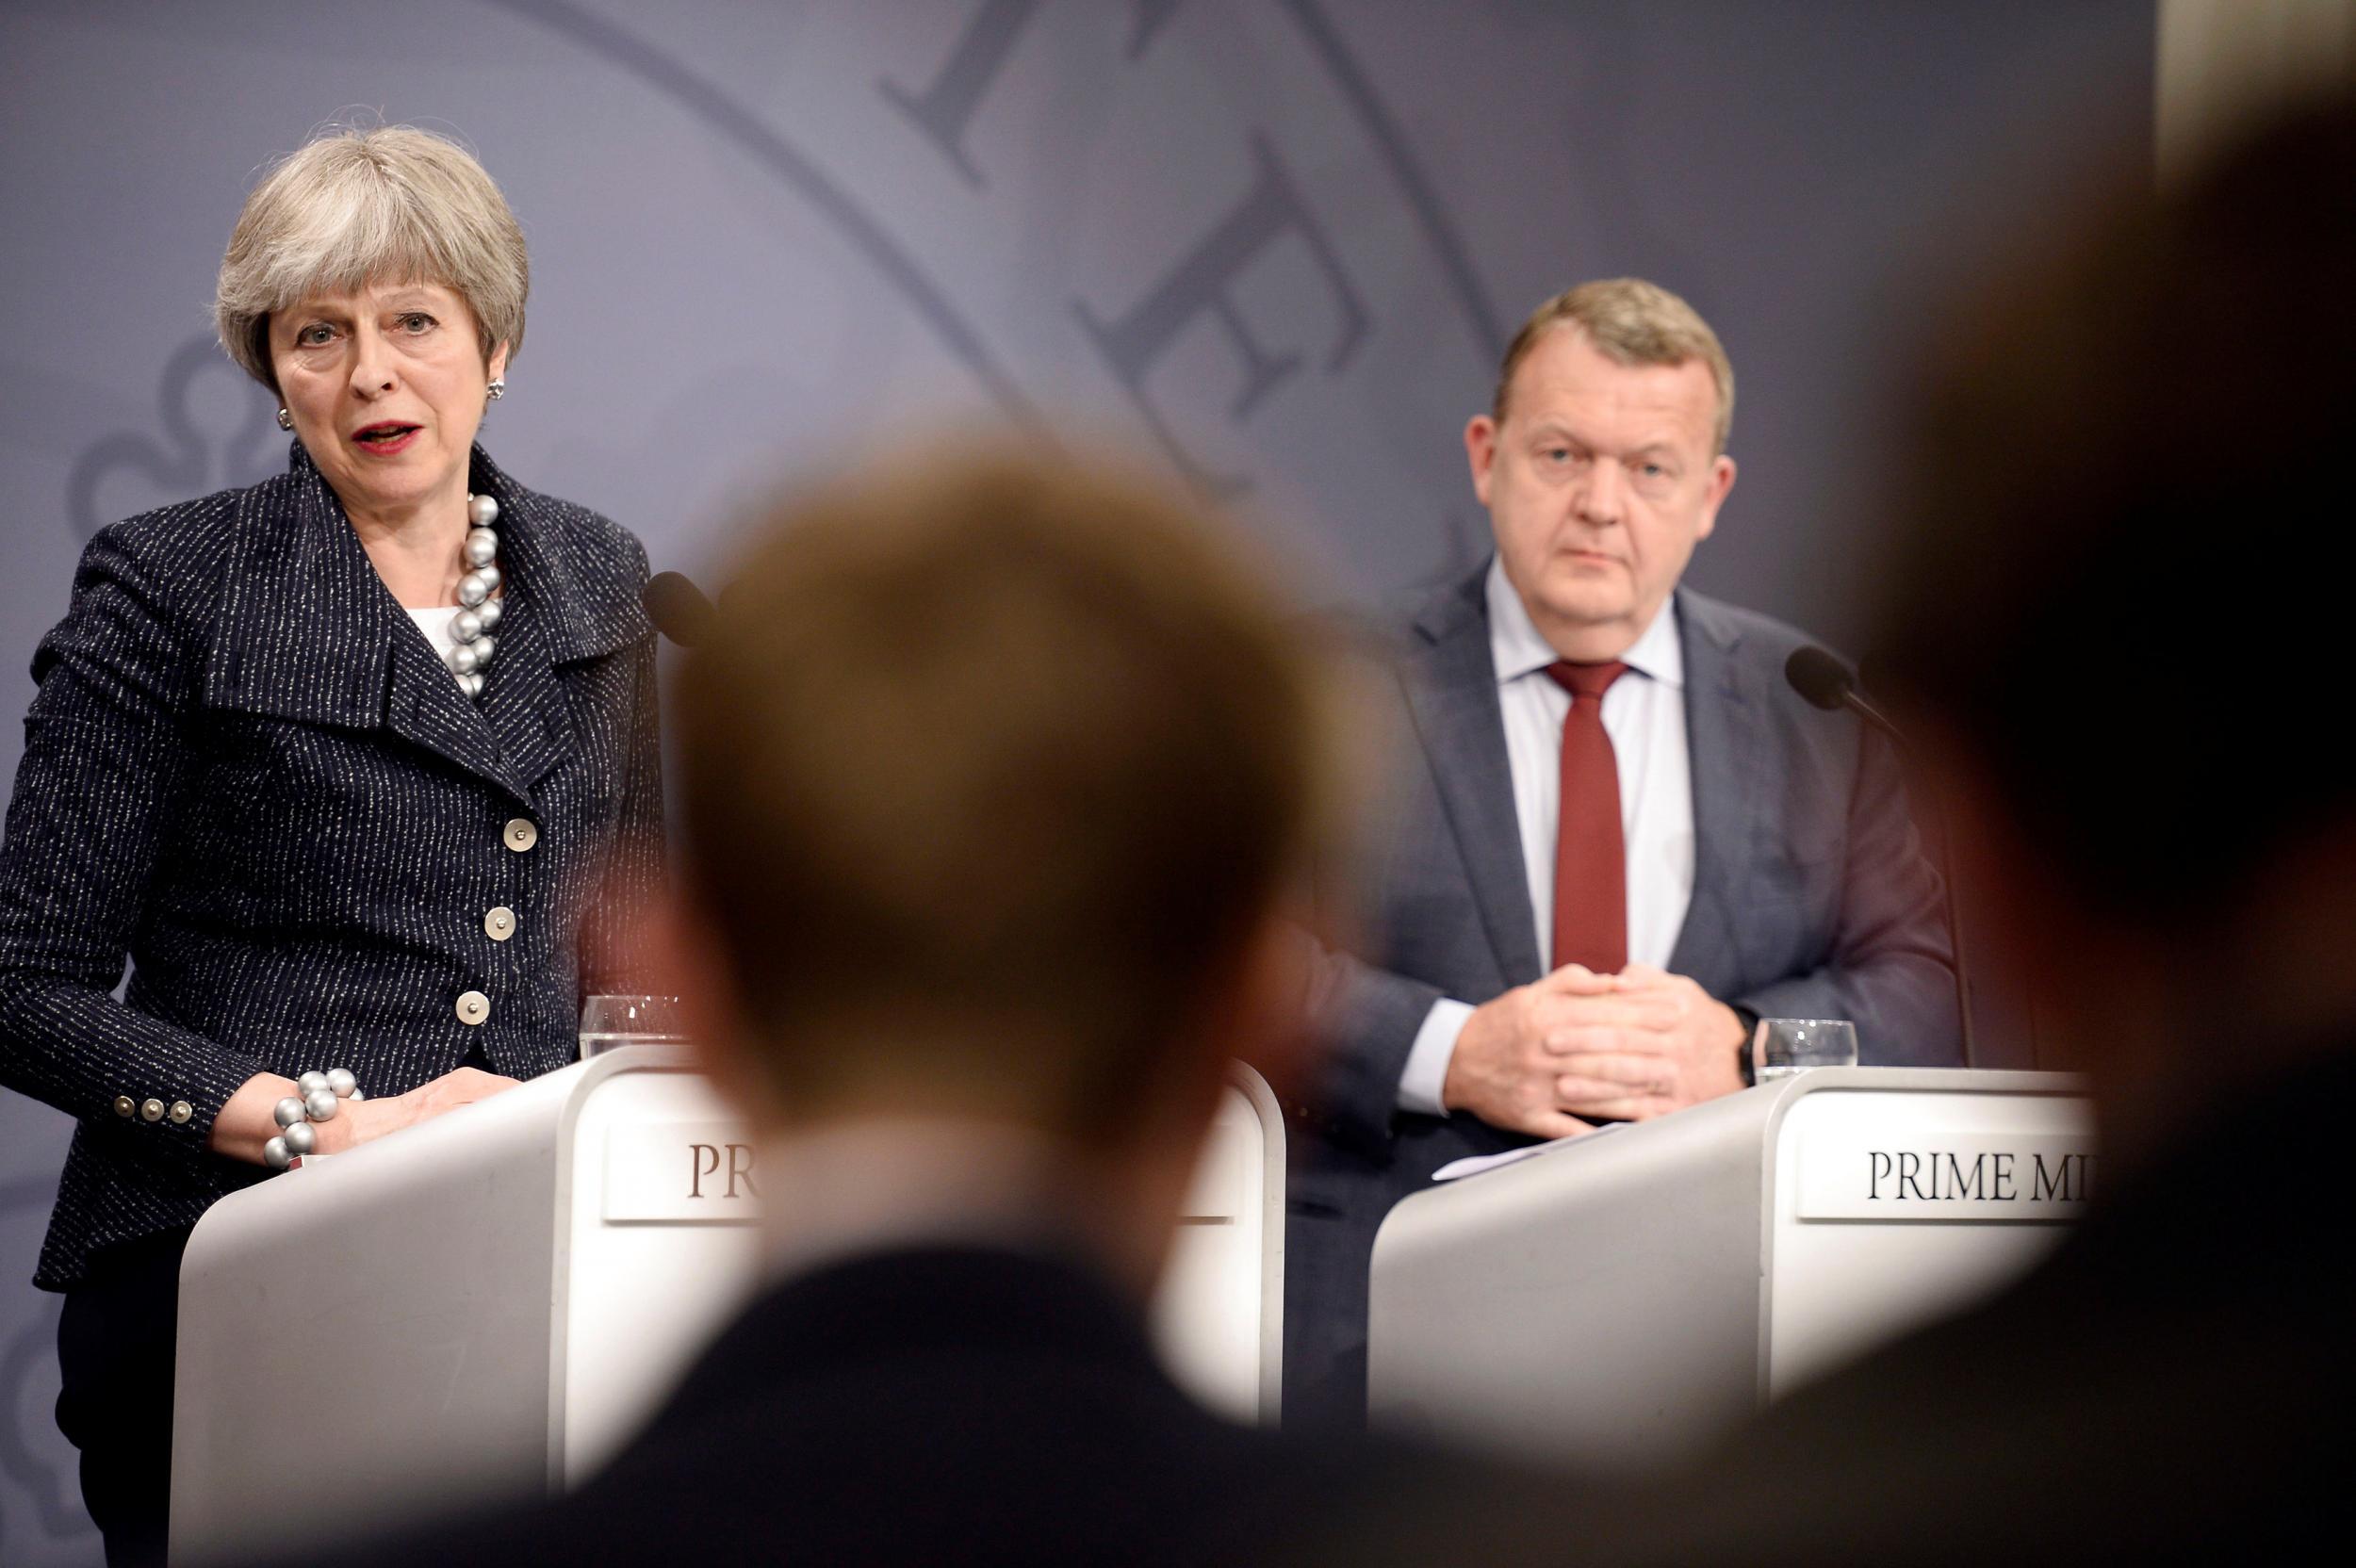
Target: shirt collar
(1520, 649)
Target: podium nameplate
(667, 1172)
(1849, 1173)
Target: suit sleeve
(1366, 1016)
(1369, 1018)
(1889, 968)
(105, 757)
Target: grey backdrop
(1279, 245)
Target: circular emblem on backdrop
(214, 430)
(1260, 302)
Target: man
(1621, 839)
(997, 781)
(2120, 630)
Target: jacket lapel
(305, 627)
(1452, 693)
(1723, 718)
(523, 704)
(313, 634)
(427, 707)
(572, 594)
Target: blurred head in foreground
(2119, 620)
(998, 772)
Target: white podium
(490, 1304)
(1625, 1296)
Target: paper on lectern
(1473, 1164)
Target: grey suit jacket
(1811, 899)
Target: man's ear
(1721, 483)
(1481, 452)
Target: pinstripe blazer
(246, 770)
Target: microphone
(1829, 684)
(1825, 682)
(678, 609)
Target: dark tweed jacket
(246, 770)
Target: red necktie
(1590, 857)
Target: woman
(354, 766)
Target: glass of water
(1783, 1046)
(607, 1022)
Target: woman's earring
(286, 420)
(498, 387)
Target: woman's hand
(247, 1120)
(372, 1118)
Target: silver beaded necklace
(471, 642)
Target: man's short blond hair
(988, 765)
(355, 206)
(1632, 323)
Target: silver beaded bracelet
(317, 1097)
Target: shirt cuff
(1426, 1073)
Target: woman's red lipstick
(385, 438)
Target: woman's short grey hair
(393, 204)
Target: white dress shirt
(434, 625)
(1643, 713)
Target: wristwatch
(1743, 1063)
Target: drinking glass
(607, 1022)
(1783, 1046)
